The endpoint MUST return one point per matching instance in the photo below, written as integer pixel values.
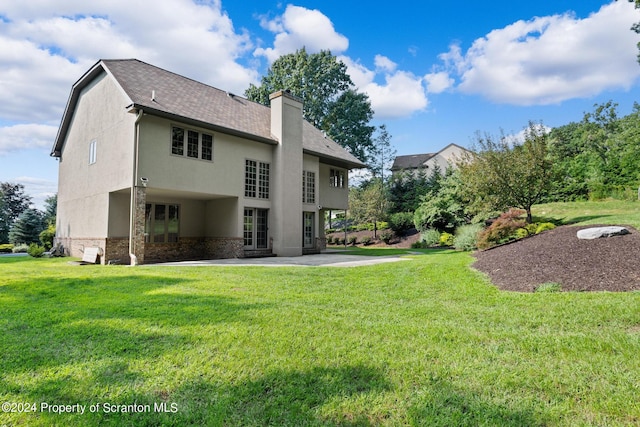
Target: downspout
(132, 205)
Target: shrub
(35, 250)
(430, 237)
(544, 226)
(466, 237)
(386, 237)
(6, 248)
(549, 287)
(401, 222)
(339, 241)
(47, 235)
(502, 229)
(446, 239)
(352, 240)
(21, 248)
(366, 240)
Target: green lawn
(423, 342)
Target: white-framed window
(337, 178)
(256, 179)
(193, 144)
(92, 152)
(162, 223)
(308, 187)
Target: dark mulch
(558, 256)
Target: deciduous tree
(507, 173)
(330, 102)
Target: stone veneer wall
(117, 249)
(75, 247)
(188, 248)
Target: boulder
(597, 232)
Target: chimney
(286, 206)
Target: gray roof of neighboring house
(411, 161)
(181, 98)
(415, 161)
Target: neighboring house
(415, 163)
(155, 167)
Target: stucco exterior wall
(332, 197)
(83, 188)
(445, 158)
(224, 176)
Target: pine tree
(27, 227)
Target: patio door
(256, 228)
(308, 229)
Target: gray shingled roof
(411, 161)
(176, 96)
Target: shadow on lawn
(442, 404)
(53, 322)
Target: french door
(256, 228)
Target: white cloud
(383, 63)
(300, 27)
(551, 59)
(25, 137)
(401, 94)
(46, 46)
(39, 189)
(438, 82)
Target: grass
(423, 342)
(610, 212)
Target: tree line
(22, 224)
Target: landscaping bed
(558, 256)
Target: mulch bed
(558, 256)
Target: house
(154, 166)
(416, 163)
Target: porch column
(137, 240)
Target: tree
(50, 209)
(510, 174)
(369, 203)
(381, 153)
(636, 27)
(444, 206)
(330, 101)
(27, 227)
(13, 201)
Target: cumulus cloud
(438, 82)
(300, 27)
(551, 59)
(46, 46)
(31, 136)
(393, 93)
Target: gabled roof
(415, 161)
(162, 93)
(411, 161)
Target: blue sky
(436, 72)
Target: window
(198, 145)
(308, 187)
(92, 152)
(192, 144)
(256, 179)
(250, 178)
(207, 147)
(161, 223)
(263, 181)
(336, 177)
